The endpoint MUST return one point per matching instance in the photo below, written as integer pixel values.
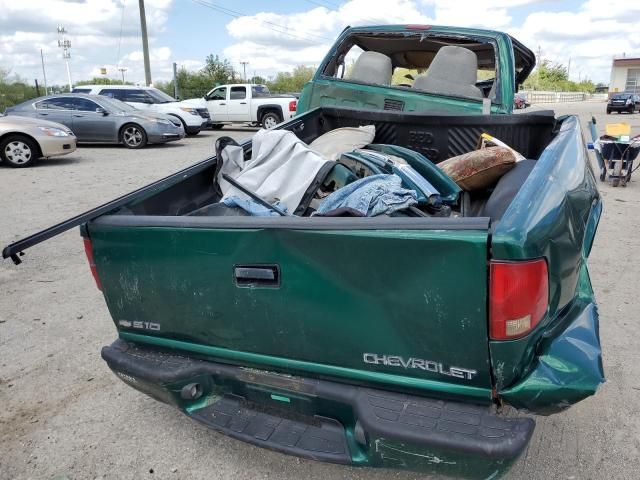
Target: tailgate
(396, 301)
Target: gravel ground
(66, 416)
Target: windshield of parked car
(621, 96)
(159, 96)
(115, 105)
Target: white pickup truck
(248, 103)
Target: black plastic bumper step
(375, 416)
(321, 438)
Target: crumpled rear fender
(569, 366)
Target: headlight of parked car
(54, 132)
(192, 111)
(629, 101)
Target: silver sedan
(99, 119)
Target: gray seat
(372, 67)
(453, 71)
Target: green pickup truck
(395, 341)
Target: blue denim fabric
(371, 196)
(254, 208)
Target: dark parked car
(624, 102)
(97, 119)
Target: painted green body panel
(560, 228)
(329, 91)
(341, 294)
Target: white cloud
(93, 27)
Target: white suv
(193, 118)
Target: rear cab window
(411, 57)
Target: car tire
(217, 126)
(608, 111)
(19, 151)
(133, 136)
(270, 120)
(192, 133)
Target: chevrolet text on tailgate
(362, 284)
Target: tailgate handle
(257, 275)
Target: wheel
(18, 151)
(608, 111)
(133, 136)
(270, 120)
(631, 109)
(192, 133)
(617, 171)
(217, 126)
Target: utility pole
(122, 70)
(569, 70)
(175, 81)
(44, 73)
(244, 69)
(145, 44)
(66, 54)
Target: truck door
(238, 105)
(217, 104)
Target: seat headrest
(372, 67)
(452, 72)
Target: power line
(329, 4)
(236, 14)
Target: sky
(278, 35)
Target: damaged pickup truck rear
(258, 293)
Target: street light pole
(66, 53)
(122, 70)
(244, 69)
(145, 44)
(44, 73)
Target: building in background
(625, 75)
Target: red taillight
(292, 106)
(88, 249)
(519, 295)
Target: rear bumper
(325, 420)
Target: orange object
(617, 129)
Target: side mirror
(102, 111)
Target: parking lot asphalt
(65, 415)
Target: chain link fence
(536, 96)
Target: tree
(554, 76)
(258, 80)
(14, 90)
(218, 71)
(290, 82)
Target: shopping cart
(615, 157)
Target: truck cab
(416, 68)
